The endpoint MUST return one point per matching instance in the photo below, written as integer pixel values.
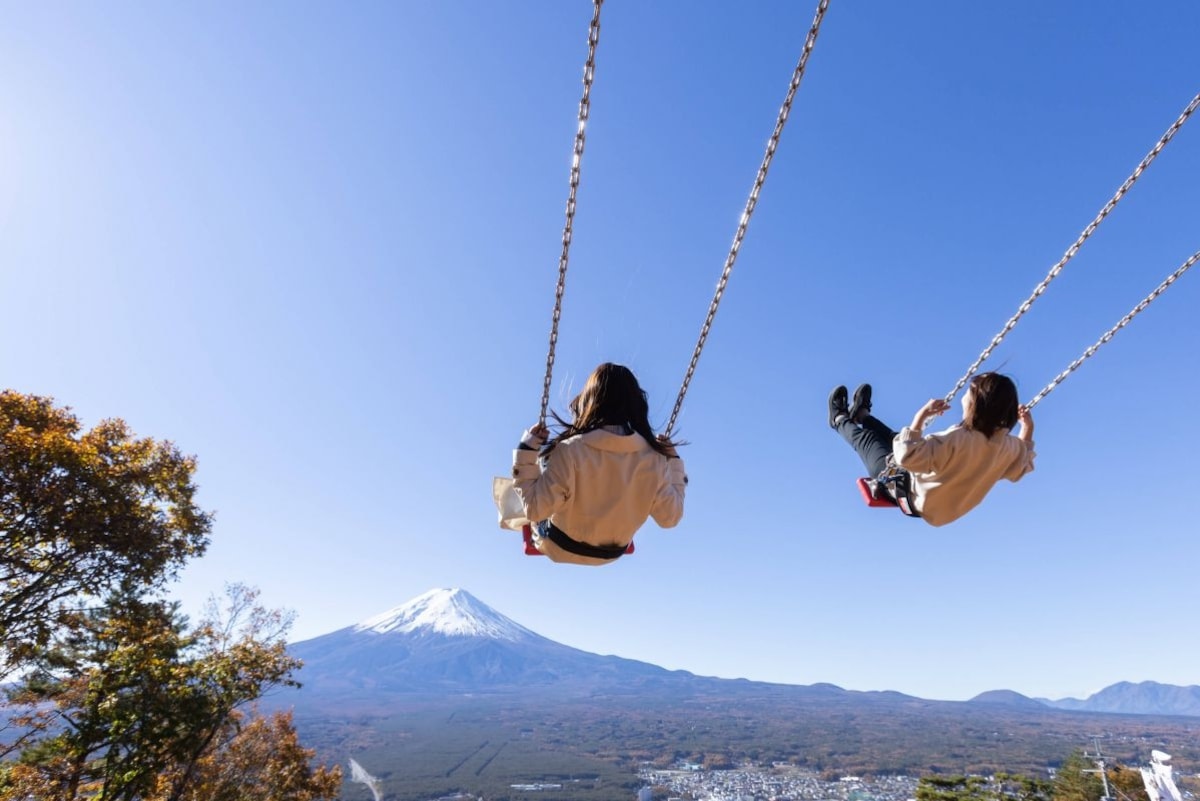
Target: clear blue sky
(315, 245)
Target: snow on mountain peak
(449, 612)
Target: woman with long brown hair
(594, 484)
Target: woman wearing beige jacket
(594, 484)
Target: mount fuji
(446, 641)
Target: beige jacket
(954, 469)
(599, 488)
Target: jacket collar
(605, 439)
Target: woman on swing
(950, 472)
(593, 485)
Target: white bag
(508, 504)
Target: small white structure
(357, 774)
(1157, 778)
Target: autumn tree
(1079, 780)
(116, 698)
(135, 707)
(110, 700)
(1127, 783)
(82, 515)
(256, 758)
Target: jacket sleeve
(542, 490)
(668, 504)
(920, 454)
(1023, 463)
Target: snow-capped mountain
(448, 641)
(449, 612)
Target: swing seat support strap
(890, 489)
(560, 538)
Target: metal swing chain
(1087, 354)
(751, 202)
(585, 105)
(1071, 251)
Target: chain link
(1071, 251)
(585, 106)
(1087, 354)
(751, 202)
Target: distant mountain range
(447, 642)
(1143, 698)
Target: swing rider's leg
(872, 439)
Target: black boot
(839, 408)
(862, 403)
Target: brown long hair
(994, 403)
(611, 396)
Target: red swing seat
(531, 549)
(883, 501)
